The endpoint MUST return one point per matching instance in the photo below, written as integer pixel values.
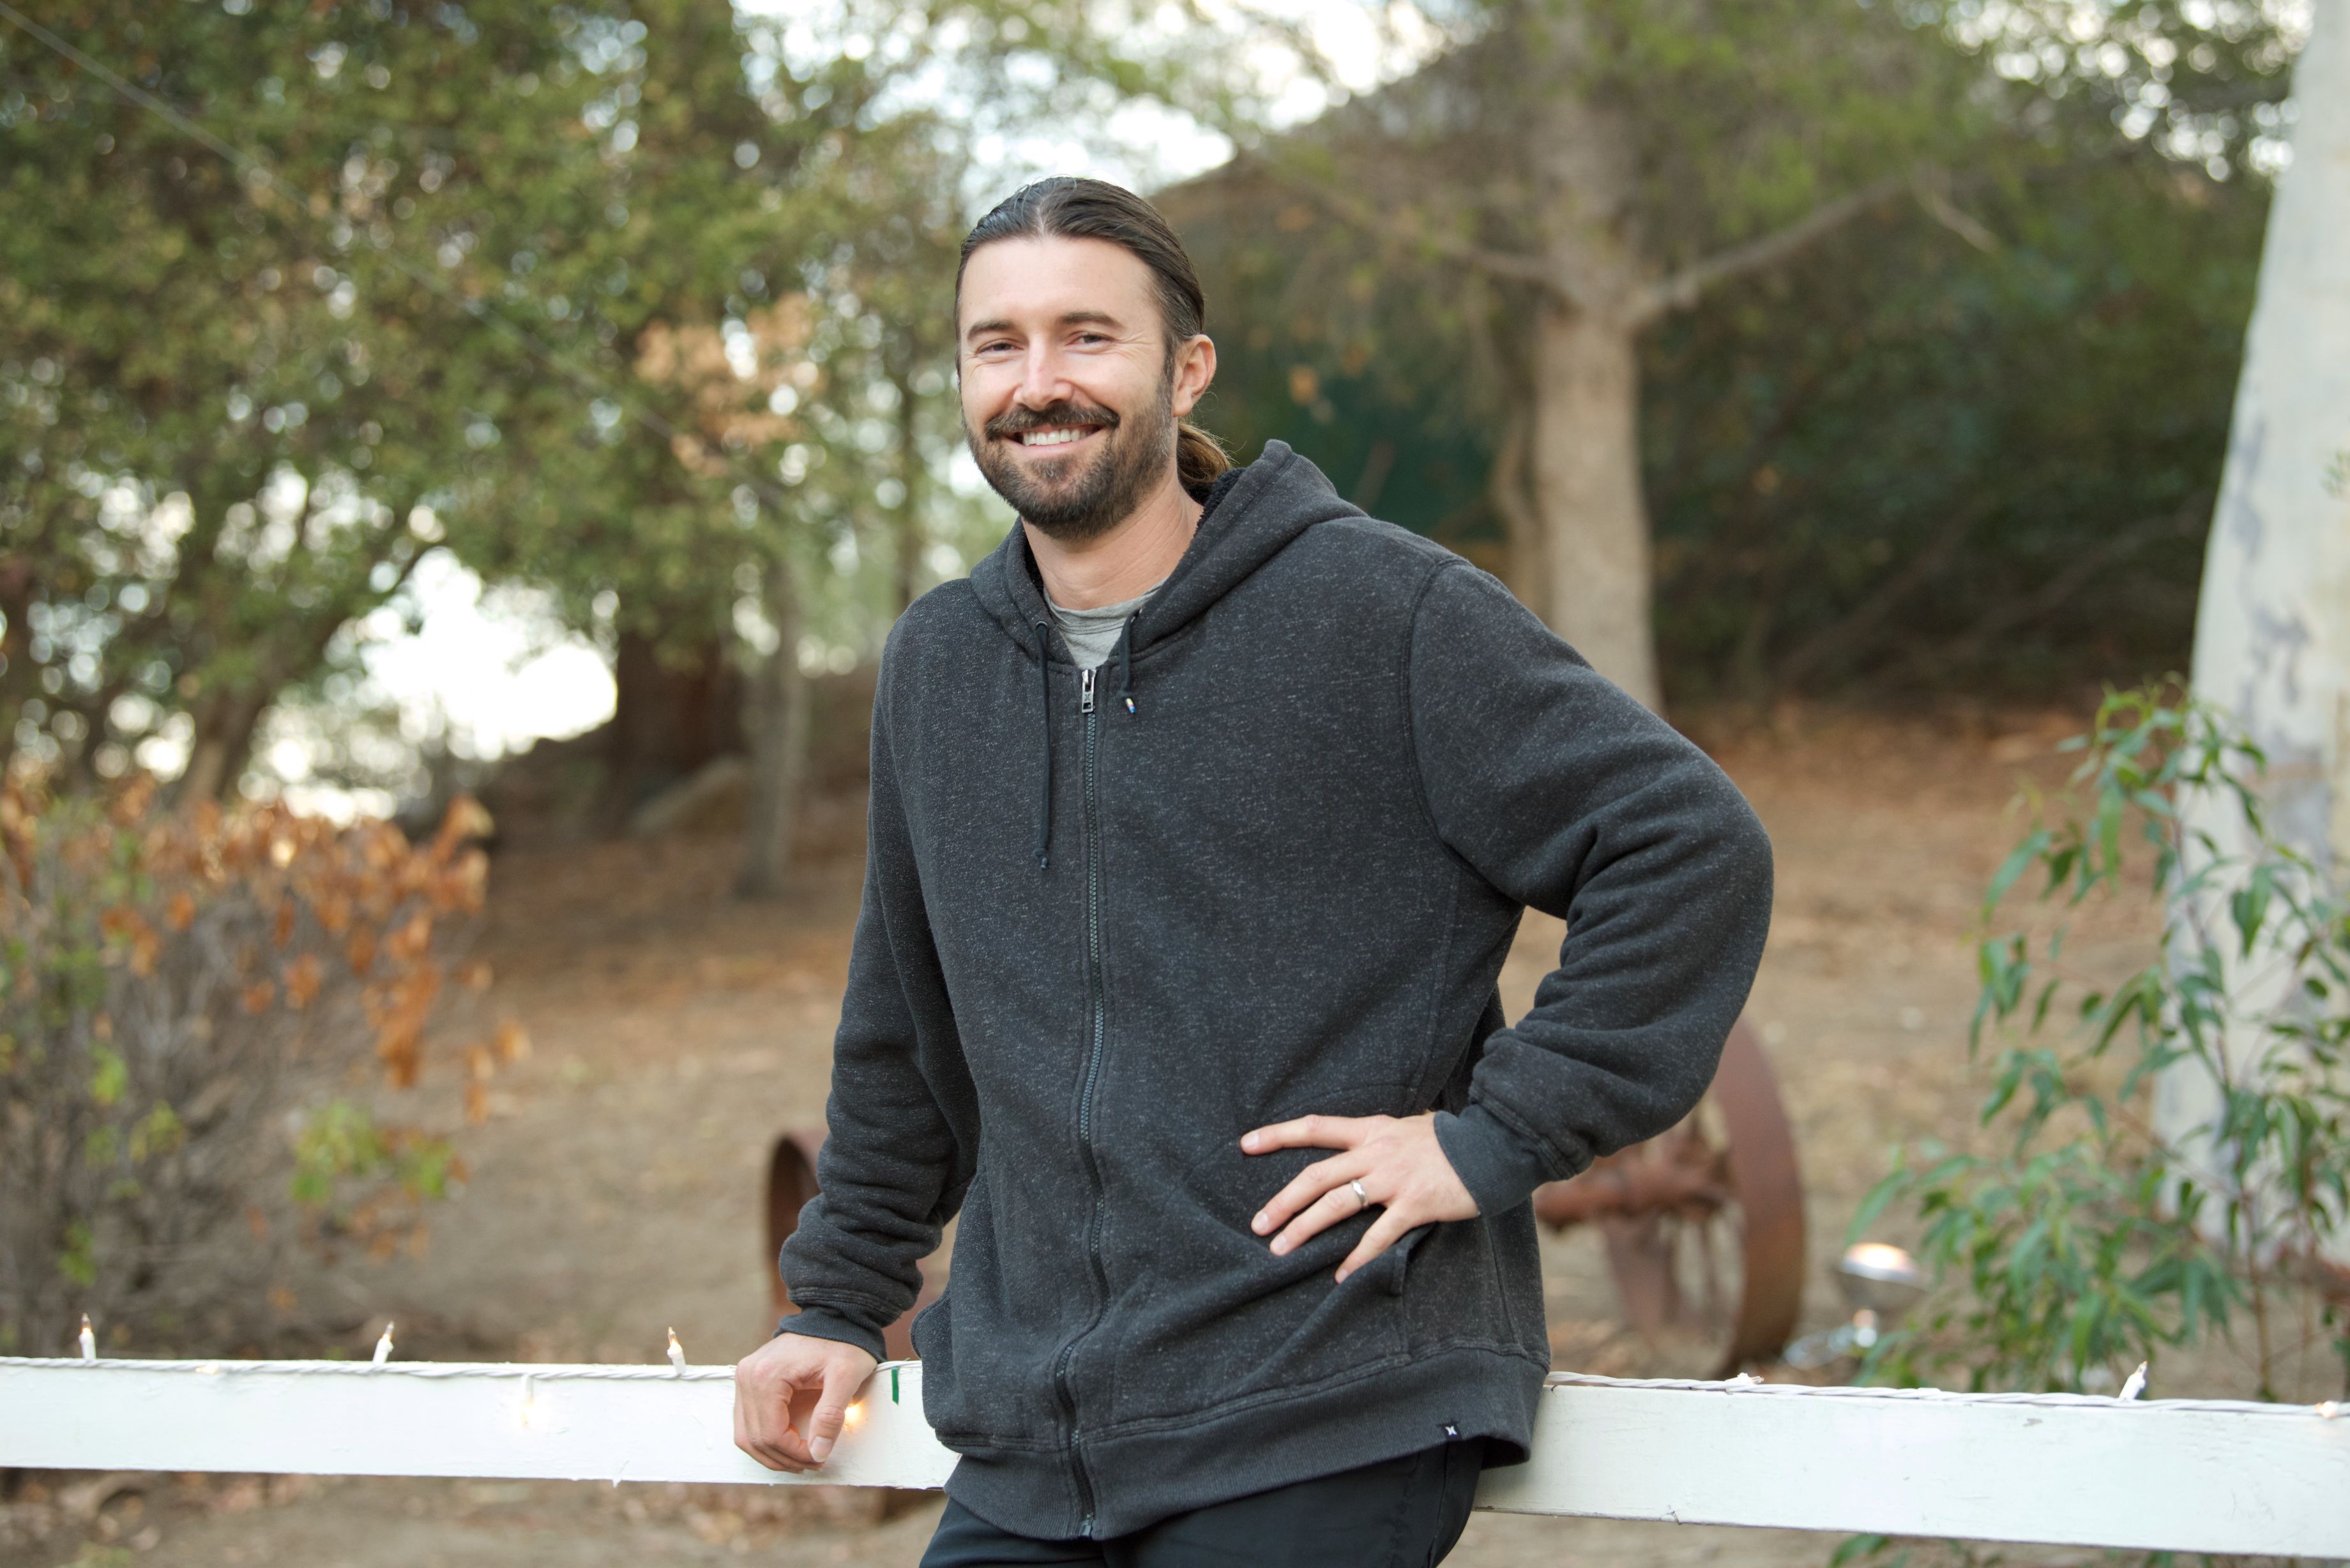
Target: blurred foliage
(583, 293)
(241, 400)
(189, 999)
(2093, 1240)
(1905, 464)
(1966, 442)
(646, 304)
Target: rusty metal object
(1661, 1199)
(1679, 1173)
(790, 1182)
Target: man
(1203, 816)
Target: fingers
(1337, 1203)
(1385, 1231)
(1400, 1161)
(794, 1383)
(840, 1385)
(1304, 1187)
(1308, 1132)
(762, 1419)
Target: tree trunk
(1587, 483)
(1507, 489)
(2273, 627)
(225, 722)
(671, 716)
(19, 679)
(778, 720)
(912, 537)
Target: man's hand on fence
(1398, 1162)
(795, 1384)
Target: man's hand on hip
(792, 1395)
(1394, 1162)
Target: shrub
(187, 1001)
(2099, 1237)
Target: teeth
(1051, 438)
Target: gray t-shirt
(1092, 634)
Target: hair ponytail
(1198, 457)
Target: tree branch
(2077, 574)
(1837, 641)
(1507, 266)
(1682, 289)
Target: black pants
(1402, 1513)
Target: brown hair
(1069, 207)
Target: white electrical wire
(1753, 1385)
(559, 1373)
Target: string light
(427, 1371)
(382, 1347)
(676, 1353)
(88, 1340)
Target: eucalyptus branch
(1393, 226)
(1681, 289)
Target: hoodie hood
(1252, 515)
(1267, 504)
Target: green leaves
(109, 1076)
(2098, 1235)
(337, 1141)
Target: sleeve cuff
(1491, 1161)
(817, 1323)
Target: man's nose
(1043, 378)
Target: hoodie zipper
(1095, 987)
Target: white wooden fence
(2177, 1474)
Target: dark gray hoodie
(1266, 861)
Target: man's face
(1068, 402)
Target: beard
(1074, 498)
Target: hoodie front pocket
(1215, 1317)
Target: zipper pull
(1086, 691)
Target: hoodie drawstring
(1044, 808)
(1126, 663)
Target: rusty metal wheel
(1703, 1225)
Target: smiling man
(1203, 816)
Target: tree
(1601, 168)
(259, 337)
(1893, 465)
(267, 342)
(2272, 631)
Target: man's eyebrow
(1069, 319)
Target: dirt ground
(614, 1189)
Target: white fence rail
(2181, 1475)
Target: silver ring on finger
(1362, 1199)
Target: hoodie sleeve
(901, 1128)
(1565, 794)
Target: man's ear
(1195, 367)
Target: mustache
(1015, 421)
